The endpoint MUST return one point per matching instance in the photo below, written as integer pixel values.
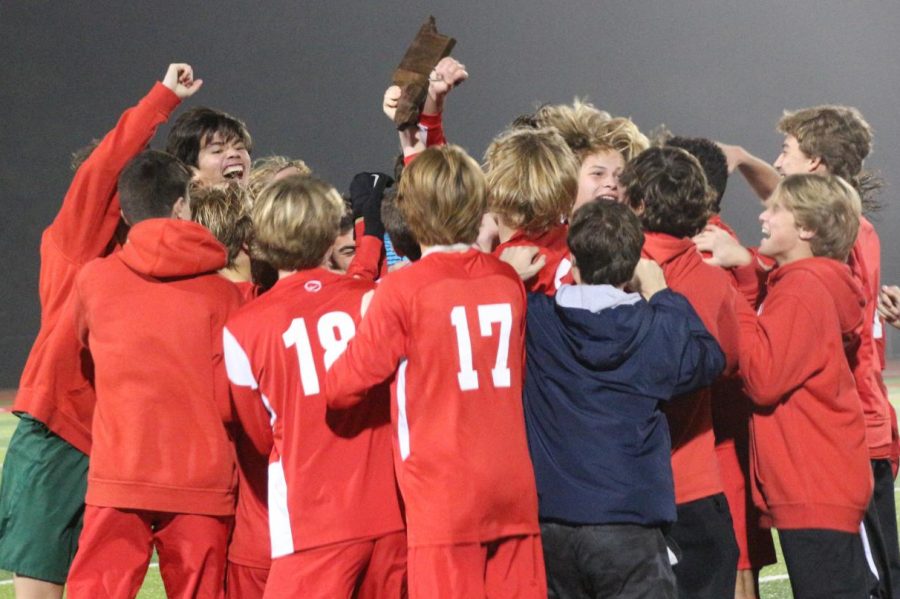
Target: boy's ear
(817, 165)
(639, 209)
(576, 274)
(805, 234)
(182, 209)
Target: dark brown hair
(668, 190)
(605, 239)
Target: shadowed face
(792, 160)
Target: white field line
(10, 581)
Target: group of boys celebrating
(575, 383)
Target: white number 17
(487, 316)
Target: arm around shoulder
(90, 210)
(373, 353)
(760, 175)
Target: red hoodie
(711, 293)
(54, 387)
(865, 264)
(152, 317)
(808, 436)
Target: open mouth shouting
(233, 172)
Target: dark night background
(308, 79)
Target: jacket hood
(602, 325)
(837, 278)
(167, 247)
(675, 255)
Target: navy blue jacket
(593, 383)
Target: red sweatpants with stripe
(368, 569)
(115, 548)
(507, 568)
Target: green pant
(41, 503)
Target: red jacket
(152, 317)
(808, 437)
(55, 388)
(711, 293)
(865, 264)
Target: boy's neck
(234, 275)
(456, 247)
(801, 252)
(239, 272)
(504, 231)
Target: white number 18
(335, 329)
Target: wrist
(431, 121)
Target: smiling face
(221, 160)
(599, 178)
(793, 161)
(782, 238)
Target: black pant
(606, 560)
(707, 565)
(825, 564)
(884, 509)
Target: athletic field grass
(774, 581)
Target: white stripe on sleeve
(279, 516)
(402, 423)
(236, 361)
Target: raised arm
(366, 194)
(90, 210)
(761, 175)
(448, 73)
(373, 354)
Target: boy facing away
(451, 326)
(808, 433)
(334, 515)
(600, 362)
(162, 469)
(666, 187)
(45, 471)
(533, 179)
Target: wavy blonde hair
(224, 212)
(589, 130)
(826, 205)
(442, 196)
(532, 175)
(296, 220)
(264, 170)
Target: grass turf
(773, 579)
